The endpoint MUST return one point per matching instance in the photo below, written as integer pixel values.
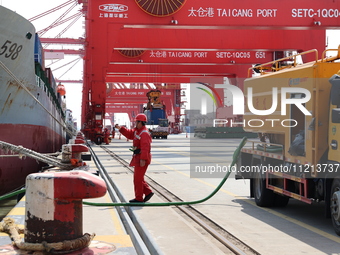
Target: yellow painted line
(21, 226)
(116, 220)
(297, 222)
(118, 240)
(4, 234)
(17, 211)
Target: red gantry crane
(187, 41)
(69, 17)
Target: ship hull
(14, 170)
(28, 113)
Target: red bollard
(72, 153)
(54, 211)
(80, 134)
(79, 141)
(78, 149)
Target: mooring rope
(8, 226)
(35, 155)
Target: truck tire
(98, 140)
(263, 196)
(335, 205)
(280, 200)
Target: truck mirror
(336, 115)
(335, 89)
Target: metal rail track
(139, 236)
(229, 241)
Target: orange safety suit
(106, 136)
(141, 140)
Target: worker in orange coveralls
(106, 136)
(141, 157)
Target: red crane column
(94, 88)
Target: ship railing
(49, 91)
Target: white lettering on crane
(178, 54)
(266, 13)
(319, 13)
(210, 12)
(234, 12)
(233, 54)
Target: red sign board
(134, 93)
(122, 107)
(260, 14)
(203, 56)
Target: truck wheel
(263, 196)
(335, 205)
(280, 201)
(98, 140)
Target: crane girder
(79, 41)
(216, 39)
(230, 14)
(197, 41)
(79, 52)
